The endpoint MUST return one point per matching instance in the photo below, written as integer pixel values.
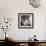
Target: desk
(27, 42)
(31, 43)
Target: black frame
(21, 14)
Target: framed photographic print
(25, 20)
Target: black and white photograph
(25, 20)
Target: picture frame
(25, 20)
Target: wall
(11, 8)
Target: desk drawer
(21, 44)
(42, 44)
